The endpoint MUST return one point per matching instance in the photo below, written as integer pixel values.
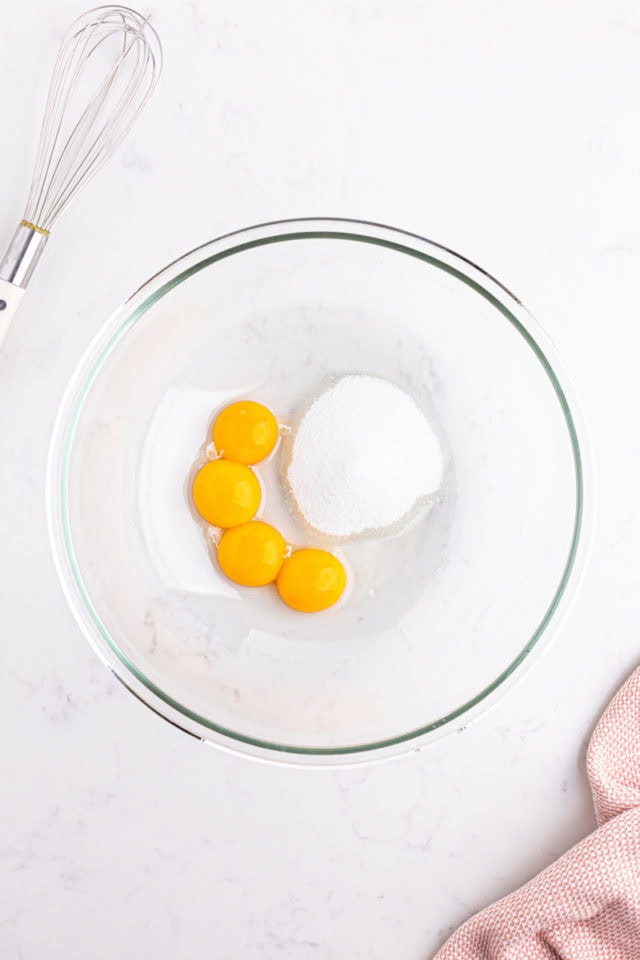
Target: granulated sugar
(364, 458)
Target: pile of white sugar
(364, 458)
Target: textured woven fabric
(585, 906)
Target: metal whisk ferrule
(23, 253)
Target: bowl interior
(434, 619)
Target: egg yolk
(245, 431)
(226, 493)
(251, 554)
(311, 580)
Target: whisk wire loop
(70, 151)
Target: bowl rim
(116, 327)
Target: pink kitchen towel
(585, 906)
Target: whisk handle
(16, 268)
(10, 297)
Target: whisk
(107, 67)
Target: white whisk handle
(10, 297)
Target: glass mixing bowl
(438, 619)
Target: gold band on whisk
(32, 226)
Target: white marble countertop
(509, 132)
